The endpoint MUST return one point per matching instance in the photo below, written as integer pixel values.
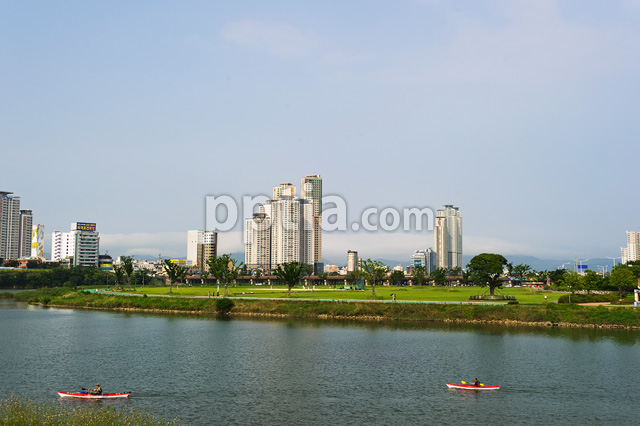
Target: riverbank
(16, 411)
(547, 315)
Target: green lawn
(407, 293)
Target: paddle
(464, 383)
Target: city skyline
(518, 112)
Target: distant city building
(425, 258)
(37, 241)
(86, 244)
(312, 190)
(448, 238)
(105, 262)
(24, 233)
(352, 261)
(329, 268)
(9, 226)
(632, 251)
(201, 245)
(284, 229)
(81, 244)
(257, 239)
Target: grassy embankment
(546, 313)
(17, 412)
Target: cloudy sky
(522, 113)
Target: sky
(524, 114)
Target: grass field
(405, 293)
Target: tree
(456, 271)
(542, 276)
(119, 273)
(439, 276)
(374, 272)
(307, 271)
(396, 277)
(519, 271)
(141, 277)
(127, 265)
(224, 268)
(571, 279)
(419, 275)
(323, 277)
(556, 275)
(174, 271)
(591, 280)
(622, 277)
(257, 274)
(485, 269)
(289, 274)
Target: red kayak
(87, 395)
(471, 387)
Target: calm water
(205, 371)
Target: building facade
(25, 233)
(9, 226)
(352, 261)
(257, 239)
(37, 241)
(448, 238)
(284, 229)
(201, 245)
(425, 258)
(86, 244)
(312, 191)
(632, 251)
(82, 244)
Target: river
(203, 370)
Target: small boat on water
(471, 387)
(87, 395)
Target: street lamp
(604, 268)
(614, 260)
(562, 266)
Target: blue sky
(522, 113)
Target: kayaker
(476, 383)
(97, 390)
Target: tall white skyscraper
(312, 191)
(9, 226)
(448, 237)
(632, 251)
(257, 239)
(284, 228)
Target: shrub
(588, 298)
(224, 305)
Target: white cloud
(275, 37)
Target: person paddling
(476, 383)
(97, 390)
